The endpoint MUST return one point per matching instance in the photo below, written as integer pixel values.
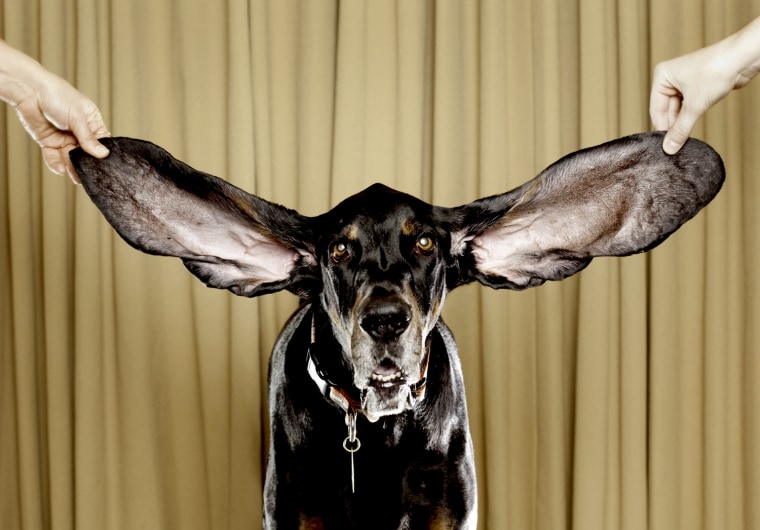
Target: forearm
(19, 75)
(740, 53)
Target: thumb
(93, 146)
(679, 132)
(88, 131)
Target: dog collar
(351, 405)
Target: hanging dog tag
(351, 444)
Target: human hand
(56, 115)
(59, 119)
(685, 87)
(682, 90)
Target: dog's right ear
(225, 236)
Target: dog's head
(383, 258)
(380, 263)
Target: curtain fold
(625, 397)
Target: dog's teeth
(387, 378)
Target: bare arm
(55, 114)
(685, 87)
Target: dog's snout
(386, 319)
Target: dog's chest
(411, 470)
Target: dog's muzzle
(388, 383)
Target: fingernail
(101, 150)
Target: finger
(94, 147)
(659, 108)
(53, 160)
(665, 116)
(70, 171)
(87, 134)
(674, 109)
(679, 132)
(661, 98)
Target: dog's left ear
(225, 236)
(616, 199)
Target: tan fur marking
(408, 227)
(310, 523)
(351, 232)
(436, 306)
(440, 521)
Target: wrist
(21, 77)
(743, 52)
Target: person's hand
(685, 87)
(56, 115)
(61, 118)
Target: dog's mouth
(387, 375)
(388, 391)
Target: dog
(369, 422)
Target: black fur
(368, 343)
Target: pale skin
(56, 115)
(685, 87)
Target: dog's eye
(339, 252)
(425, 244)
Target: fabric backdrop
(131, 397)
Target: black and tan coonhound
(368, 416)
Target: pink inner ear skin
(275, 259)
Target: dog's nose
(385, 320)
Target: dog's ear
(616, 199)
(225, 236)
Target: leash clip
(351, 444)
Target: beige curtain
(131, 397)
